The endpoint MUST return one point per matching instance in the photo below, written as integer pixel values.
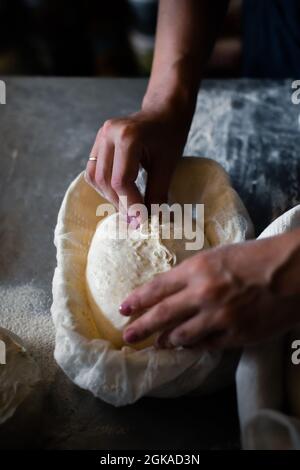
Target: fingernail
(125, 309)
(130, 336)
(133, 221)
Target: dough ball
(118, 263)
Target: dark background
(96, 38)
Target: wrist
(172, 109)
(287, 275)
(171, 94)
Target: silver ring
(92, 159)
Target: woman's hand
(153, 137)
(221, 298)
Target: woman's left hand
(221, 298)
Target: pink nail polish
(133, 221)
(125, 309)
(130, 336)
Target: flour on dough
(118, 263)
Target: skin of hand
(221, 298)
(155, 135)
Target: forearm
(186, 31)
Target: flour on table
(18, 375)
(24, 311)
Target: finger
(193, 330)
(213, 341)
(125, 171)
(149, 294)
(217, 341)
(91, 165)
(90, 171)
(103, 171)
(157, 186)
(162, 340)
(165, 314)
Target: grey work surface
(47, 128)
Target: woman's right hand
(153, 137)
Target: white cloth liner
(123, 376)
(266, 379)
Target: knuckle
(107, 126)
(99, 133)
(206, 291)
(162, 312)
(158, 285)
(212, 289)
(118, 183)
(126, 132)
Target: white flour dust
(24, 311)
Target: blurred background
(97, 38)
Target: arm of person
(186, 33)
(224, 297)
(156, 134)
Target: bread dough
(18, 375)
(122, 376)
(118, 263)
